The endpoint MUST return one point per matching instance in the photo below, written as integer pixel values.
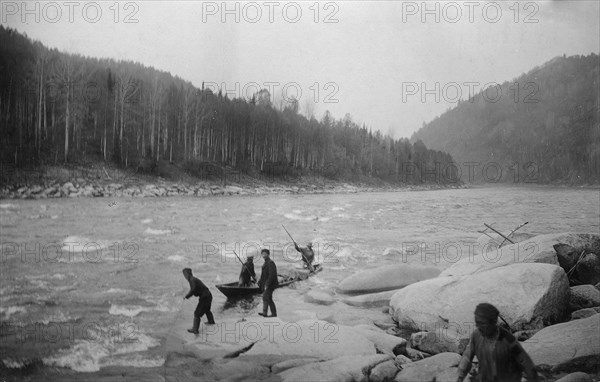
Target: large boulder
(527, 295)
(428, 369)
(342, 369)
(538, 249)
(439, 341)
(584, 296)
(384, 342)
(371, 299)
(307, 338)
(569, 346)
(389, 277)
(584, 313)
(578, 376)
(587, 270)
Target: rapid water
(88, 283)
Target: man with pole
(247, 273)
(307, 253)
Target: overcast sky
(370, 59)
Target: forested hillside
(545, 122)
(58, 108)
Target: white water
(131, 275)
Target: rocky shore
(86, 188)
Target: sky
(389, 65)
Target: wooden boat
(232, 290)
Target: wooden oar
(310, 267)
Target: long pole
(310, 267)
(244, 266)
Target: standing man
(247, 274)
(197, 288)
(308, 255)
(501, 357)
(267, 283)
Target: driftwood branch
(513, 231)
(499, 233)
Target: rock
(385, 324)
(439, 341)
(290, 363)
(346, 368)
(371, 299)
(386, 278)
(309, 338)
(401, 359)
(385, 309)
(538, 249)
(427, 369)
(576, 377)
(584, 313)
(584, 296)
(527, 295)
(588, 269)
(319, 297)
(567, 255)
(569, 346)
(383, 341)
(384, 372)
(36, 189)
(416, 355)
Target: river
(88, 283)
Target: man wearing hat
(268, 283)
(197, 288)
(247, 274)
(308, 255)
(501, 357)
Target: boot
(194, 329)
(210, 318)
(264, 312)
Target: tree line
(58, 108)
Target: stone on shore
(538, 249)
(584, 313)
(439, 341)
(291, 363)
(383, 341)
(371, 299)
(428, 369)
(384, 372)
(389, 277)
(527, 295)
(569, 346)
(319, 297)
(341, 369)
(576, 377)
(584, 296)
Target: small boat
(232, 290)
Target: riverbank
(61, 182)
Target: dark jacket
(308, 256)
(505, 361)
(197, 288)
(268, 276)
(247, 272)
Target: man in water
(308, 255)
(267, 283)
(501, 357)
(247, 274)
(197, 288)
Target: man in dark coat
(247, 274)
(501, 357)
(197, 288)
(267, 283)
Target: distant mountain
(542, 127)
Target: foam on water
(7, 206)
(90, 356)
(294, 216)
(146, 221)
(150, 231)
(177, 258)
(134, 310)
(10, 310)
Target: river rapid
(89, 283)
